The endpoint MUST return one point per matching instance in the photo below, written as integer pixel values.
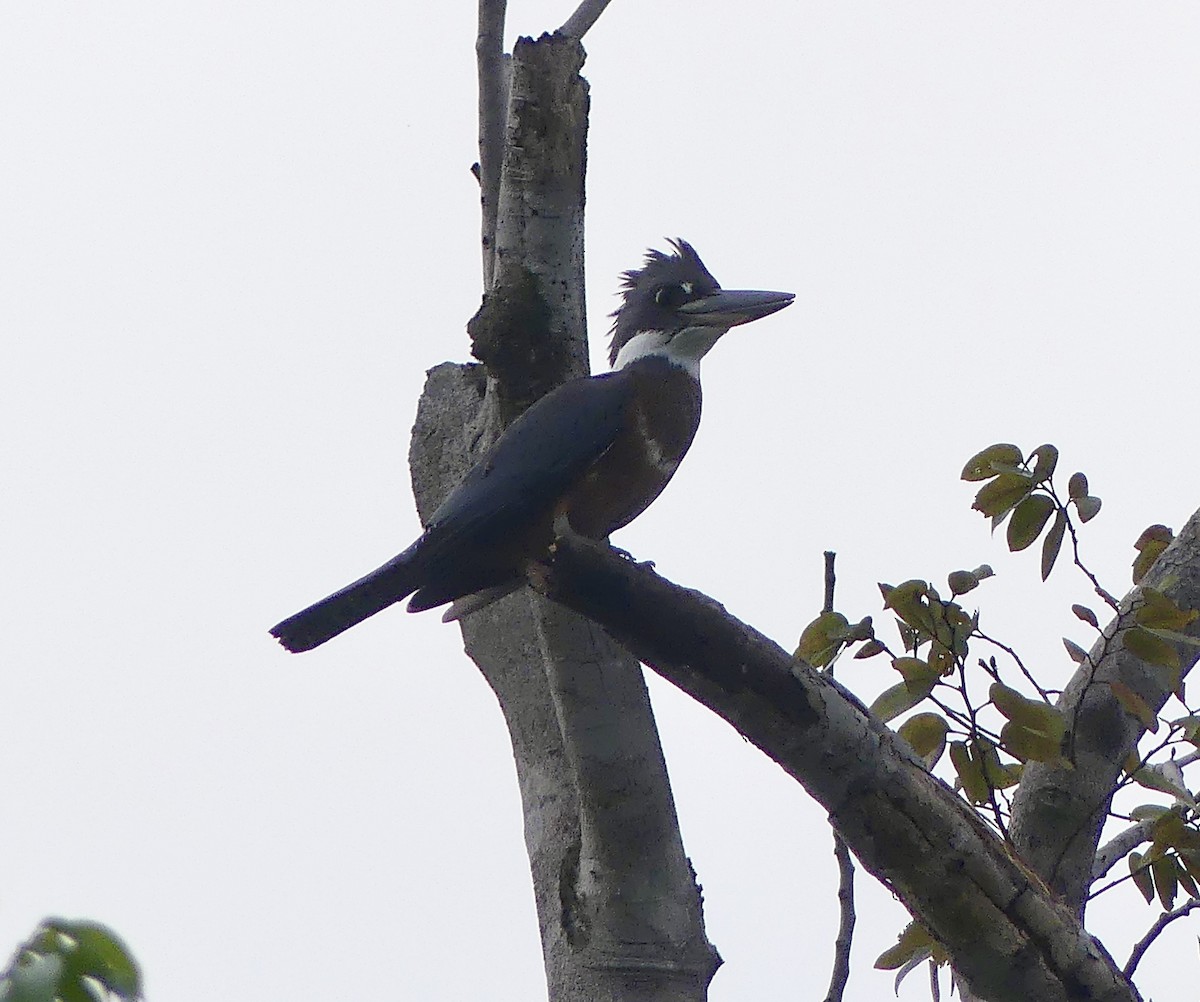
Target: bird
(595, 451)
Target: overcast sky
(234, 236)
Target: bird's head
(674, 308)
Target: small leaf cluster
(914, 946)
(1153, 637)
(1153, 633)
(71, 961)
(1021, 489)
(939, 629)
(828, 635)
(1173, 859)
(1034, 730)
(936, 635)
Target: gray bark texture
(618, 906)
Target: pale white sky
(232, 239)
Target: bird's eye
(673, 295)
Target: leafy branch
(990, 739)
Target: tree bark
(618, 907)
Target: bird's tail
(324, 620)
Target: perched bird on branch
(595, 451)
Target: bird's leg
(564, 530)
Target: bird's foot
(626, 555)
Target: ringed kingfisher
(596, 450)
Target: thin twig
(845, 936)
(1111, 602)
(585, 16)
(1109, 886)
(1164, 920)
(966, 723)
(1017, 659)
(840, 975)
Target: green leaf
(1191, 864)
(1077, 487)
(906, 600)
(983, 571)
(100, 953)
(1052, 544)
(869, 650)
(1189, 728)
(961, 582)
(1143, 644)
(1158, 612)
(1135, 706)
(1186, 881)
(1171, 832)
(913, 941)
(864, 629)
(895, 699)
(918, 674)
(71, 989)
(1165, 880)
(1008, 701)
(1032, 714)
(996, 775)
(1086, 614)
(926, 733)
(941, 658)
(1171, 636)
(1088, 507)
(1028, 520)
(66, 961)
(823, 639)
(1140, 871)
(998, 497)
(1149, 812)
(1010, 775)
(34, 977)
(1150, 545)
(1030, 744)
(1150, 778)
(992, 460)
(1046, 459)
(970, 773)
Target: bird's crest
(653, 293)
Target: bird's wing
(534, 462)
(539, 456)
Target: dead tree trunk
(617, 902)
